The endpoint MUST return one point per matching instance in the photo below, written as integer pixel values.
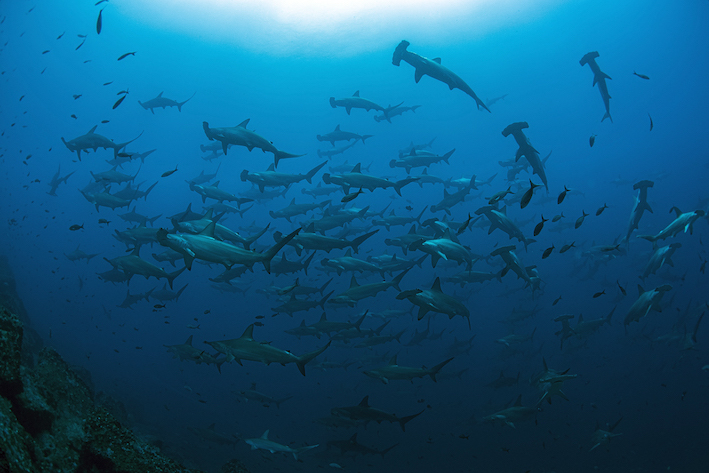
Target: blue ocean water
(278, 68)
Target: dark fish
(119, 101)
(124, 155)
(81, 35)
(260, 317)
(556, 301)
(562, 196)
(651, 125)
(703, 267)
(22, 98)
(601, 209)
(80, 45)
(351, 196)
(76, 96)
(169, 173)
(642, 76)
(409, 208)
(122, 92)
(73, 116)
(207, 311)
(540, 225)
(99, 22)
(45, 51)
(547, 252)
(100, 2)
(528, 195)
(621, 288)
(599, 294)
(108, 83)
(104, 121)
(76, 227)
(87, 61)
(60, 36)
(592, 140)
(557, 217)
(102, 221)
(258, 324)
(465, 225)
(126, 55)
(579, 221)
(566, 248)
(159, 306)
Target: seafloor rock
(49, 422)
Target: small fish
(104, 121)
(557, 217)
(45, 51)
(599, 294)
(351, 196)
(540, 225)
(124, 155)
(60, 36)
(260, 317)
(651, 125)
(556, 301)
(81, 35)
(108, 83)
(562, 196)
(103, 221)
(169, 173)
(193, 326)
(621, 288)
(73, 116)
(703, 267)
(548, 251)
(499, 196)
(126, 55)
(80, 45)
(601, 209)
(76, 227)
(409, 208)
(22, 98)
(642, 76)
(579, 221)
(99, 22)
(207, 312)
(566, 248)
(528, 195)
(258, 324)
(76, 96)
(119, 101)
(592, 140)
(465, 225)
(122, 92)
(463, 436)
(159, 306)
(87, 61)
(335, 465)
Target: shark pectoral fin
(418, 75)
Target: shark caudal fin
(312, 172)
(171, 276)
(607, 115)
(434, 371)
(308, 357)
(271, 252)
(298, 451)
(180, 104)
(120, 146)
(252, 239)
(361, 239)
(404, 420)
(278, 155)
(395, 282)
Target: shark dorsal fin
(502, 373)
(544, 363)
(678, 212)
(364, 402)
(518, 402)
(357, 168)
(292, 202)
(189, 341)
(209, 230)
(353, 282)
(348, 253)
(271, 168)
(393, 360)
(337, 128)
(244, 123)
(211, 427)
(413, 230)
(209, 214)
(302, 323)
(323, 317)
(249, 334)
(310, 228)
(436, 285)
(216, 184)
(425, 171)
(392, 212)
(641, 291)
(160, 94)
(92, 130)
(353, 439)
(580, 318)
(265, 435)
(356, 94)
(437, 60)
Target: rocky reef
(49, 421)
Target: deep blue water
(658, 387)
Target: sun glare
(332, 27)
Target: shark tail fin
(308, 357)
(298, 451)
(404, 420)
(120, 146)
(386, 450)
(252, 239)
(322, 301)
(279, 401)
(278, 155)
(364, 137)
(271, 252)
(180, 104)
(395, 282)
(651, 238)
(437, 368)
(360, 239)
(312, 172)
(607, 115)
(171, 276)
